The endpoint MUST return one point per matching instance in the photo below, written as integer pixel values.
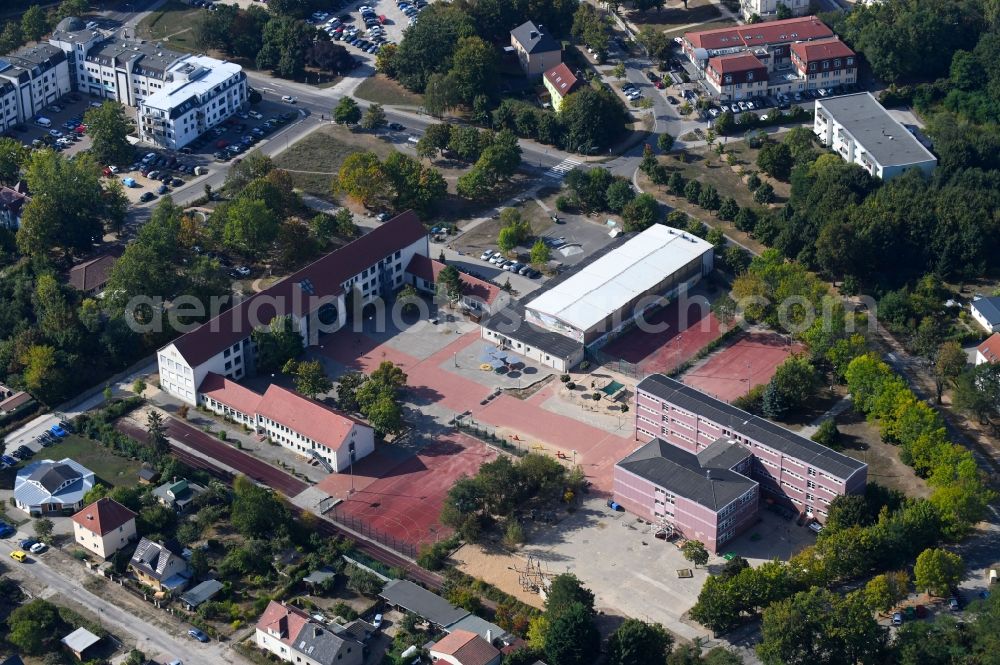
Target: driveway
(151, 639)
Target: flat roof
(193, 76)
(687, 475)
(881, 135)
(80, 640)
(739, 421)
(602, 287)
(510, 321)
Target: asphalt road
(151, 639)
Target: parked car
(485, 256)
(147, 196)
(953, 604)
(198, 635)
(6, 530)
(242, 271)
(897, 618)
(19, 556)
(288, 99)
(377, 621)
(26, 543)
(58, 431)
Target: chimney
(708, 474)
(489, 635)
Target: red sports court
(748, 362)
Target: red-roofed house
(91, 276)
(313, 429)
(825, 63)
(463, 647)
(478, 296)
(104, 527)
(291, 635)
(315, 298)
(737, 76)
(559, 81)
(989, 351)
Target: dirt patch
(383, 90)
(313, 161)
(485, 234)
(497, 568)
(863, 442)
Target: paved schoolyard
(750, 361)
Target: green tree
(636, 642)
(429, 46)
(827, 434)
(949, 364)
(156, 433)
(451, 283)
(385, 415)
(346, 227)
(363, 177)
(883, 592)
(250, 227)
(725, 123)
(311, 379)
(540, 253)
(12, 156)
(619, 194)
(572, 637)
(729, 209)
(695, 552)
(473, 69)
(641, 212)
(764, 194)
(34, 627)
(591, 119)
(373, 118)
(253, 166)
(108, 129)
(775, 159)
(42, 373)
(284, 44)
(619, 71)
(10, 37)
(435, 139)
(709, 198)
(665, 142)
(566, 590)
(43, 528)
(347, 111)
(276, 344)
(256, 512)
(692, 191)
(937, 571)
(34, 23)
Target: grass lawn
(382, 90)
(313, 161)
(110, 468)
(172, 24)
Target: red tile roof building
(559, 81)
(303, 425)
(989, 350)
(463, 647)
(294, 637)
(104, 527)
(91, 276)
(783, 51)
(315, 298)
(478, 296)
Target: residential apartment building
(293, 636)
(31, 78)
(748, 61)
(789, 468)
(862, 132)
(178, 95)
(104, 527)
(768, 9)
(316, 298)
(537, 51)
(708, 496)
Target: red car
(221, 143)
(659, 85)
(382, 18)
(106, 171)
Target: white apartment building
(179, 96)
(861, 131)
(31, 78)
(317, 299)
(768, 9)
(199, 93)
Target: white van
(993, 576)
(43, 122)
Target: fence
(631, 370)
(360, 526)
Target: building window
(749, 76)
(727, 79)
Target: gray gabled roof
(681, 473)
(322, 645)
(738, 421)
(422, 602)
(533, 39)
(989, 308)
(152, 558)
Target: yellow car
(18, 555)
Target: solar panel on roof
(4, 65)
(308, 287)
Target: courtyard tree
(636, 642)
(311, 378)
(277, 343)
(885, 591)
(695, 552)
(250, 227)
(13, 155)
(450, 283)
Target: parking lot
(366, 26)
(64, 131)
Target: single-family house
(986, 312)
(49, 487)
(537, 51)
(178, 494)
(463, 647)
(989, 350)
(91, 276)
(156, 566)
(13, 401)
(559, 81)
(294, 637)
(104, 527)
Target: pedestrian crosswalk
(559, 171)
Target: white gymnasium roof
(602, 287)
